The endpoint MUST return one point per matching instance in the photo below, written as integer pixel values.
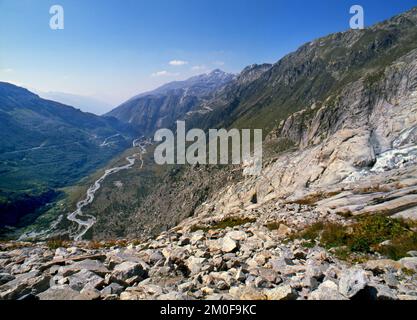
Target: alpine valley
(87, 214)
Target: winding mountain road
(85, 222)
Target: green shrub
(54, 244)
(399, 246)
(333, 235)
(372, 230)
(365, 236)
(223, 224)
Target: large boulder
(62, 293)
(90, 265)
(352, 281)
(328, 290)
(31, 282)
(283, 292)
(409, 263)
(127, 271)
(5, 277)
(228, 244)
(85, 278)
(194, 264)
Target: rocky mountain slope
(339, 120)
(332, 216)
(312, 74)
(162, 107)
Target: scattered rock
(195, 264)
(352, 281)
(5, 277)
(247, 293)
(128, 270)
(85, 278)
(409, 263)
(381, 266)
(283, 292)
(113, 288)
(328, 290)
(31, 282)
(228, 245)
(90, 293)
(283, 231)
(381, 292)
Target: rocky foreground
(245, 261)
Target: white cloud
(178, 63)
(164, 73)
(218, 63)
(7, 70)
(199, 68)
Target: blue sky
(115, 49)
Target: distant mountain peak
(170, 102)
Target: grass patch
(223, 224)
(54, 244)
(399, 246)
(370, 231)
(96, 245)
(313, 198)
(308, 244)
(364, 236)
(408, 272)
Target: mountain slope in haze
(162, 107)
(45, 145)
(84, 103)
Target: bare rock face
(356, 152)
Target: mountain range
(332, 216)
(330, 112)
(302, 102)
(162, 107)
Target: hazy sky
(115, 49)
